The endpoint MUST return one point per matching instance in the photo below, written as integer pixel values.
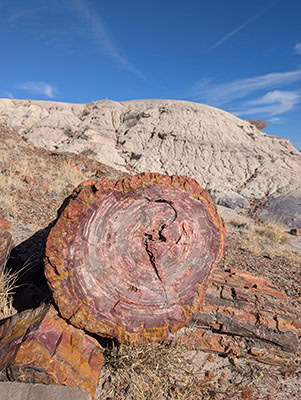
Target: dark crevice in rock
(277, 322)
(57, 344)
(116, 304)
(179, 238)
(171, 205)
(161, 237)
(152, 258)
(73, 314)
(135, 156)
(94, 189)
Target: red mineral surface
(244, 315)
(132, 258)
(37, 346)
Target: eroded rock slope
(228, 156)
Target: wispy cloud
(8, 95)
(243, 25)
(276, 120)
(102, 36)
(43, 88)
(227, 92)
(297, 48)
(20, 14)
(273, 103)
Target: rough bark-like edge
(82, 198)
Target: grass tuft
(7, 286)
(262, 238)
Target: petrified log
(132, 258)
(37, 346)
(245, 316)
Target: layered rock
(131, 258)
(228, 156)
(245, 316)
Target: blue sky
(243, 56)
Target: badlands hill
(228, 156)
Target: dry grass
(68, 173)
(7, 287)
(169, 371)
(154, 371)
(17, 176)
(265, 238)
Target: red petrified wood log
(132, 258)
(38, 346)
(245, 316)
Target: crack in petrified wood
(133, 255)
(152, 258)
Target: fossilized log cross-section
(39, 346)
(132, 258)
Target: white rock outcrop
(228, 156)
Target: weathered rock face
(38, 346)
(132, 258)
(68, 127)
(245, 316)
(226, 155)
(285, 209)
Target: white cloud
(43, 88)
(273, 103)
(8, 95)
(20, 14)
(277, 120)
(297, 48)
(227, 92)
(243, 25)
(102, 36)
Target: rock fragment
(245, 316)
(39, 346)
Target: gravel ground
(36, 182)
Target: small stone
(210, 358)
(29, 179)
(4, 224)
(295, 232)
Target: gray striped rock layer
(228, 156)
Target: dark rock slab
(228, 198)
(285, 209)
